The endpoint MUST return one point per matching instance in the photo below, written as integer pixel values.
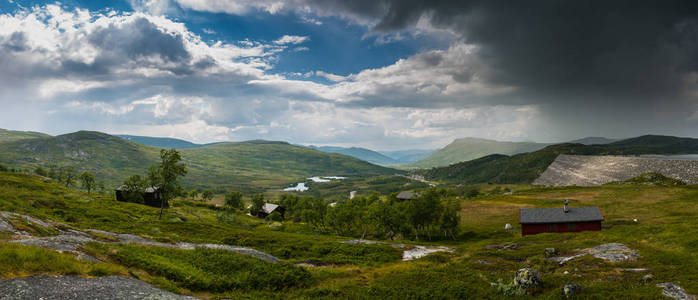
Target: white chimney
(566, 209)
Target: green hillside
(409, 155)
(12, 135)
(593, 140)
(160, 142)
(360, 153)
(526, 167)
(662, 242)
(270, 164)
(248, 166)
(110, 158)
(466, 149)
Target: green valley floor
(201, 250)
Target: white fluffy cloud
(143, 73)
(237, 7)
(291, 39)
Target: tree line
(433, 214)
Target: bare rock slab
(72, 287)
(674, 291)
(611, 252)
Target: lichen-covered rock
(6, 226)
(527, 278)
(549, 252)
(647, 278)
(674, 291)
(571, 289)
(612, 252)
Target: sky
(381, 74)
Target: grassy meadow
(665, 236)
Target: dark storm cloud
(619, 48)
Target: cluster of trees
(199, 194)
(434, 213)
(163, 176)
(68, 176)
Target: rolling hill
(593, 140)
(408, 156)
(360, 153)
(466, 149)
(246, 166)
(160, 142)
(526, 167)
(12, 135)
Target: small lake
(301, 187)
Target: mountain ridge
(465, 149)
(526, 167)
(250, 165)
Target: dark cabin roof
(149, 189)
(558, 215)
(406, 195)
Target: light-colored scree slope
(589, 170)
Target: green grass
(17, 260)
(666, 237)
(250, 167)
(207, 269)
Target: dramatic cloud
(561, 55)
(542, 70)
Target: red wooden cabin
(565, 219)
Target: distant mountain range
(594, 140)
(245, 166)
(526, 167)
(466, 149)
(459, 150)
(360, 153)
(408, 156)
(258, 164)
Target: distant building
(269, 208)
(565, 219)
(407, 196)
(151, 196)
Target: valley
(345, 232)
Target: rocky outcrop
(589, 170)
(571, 289)
(674, 291)
(527, 279)
(72, 287)
(70, 240)
(612, 252)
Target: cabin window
(571, 226)
(552, 227)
